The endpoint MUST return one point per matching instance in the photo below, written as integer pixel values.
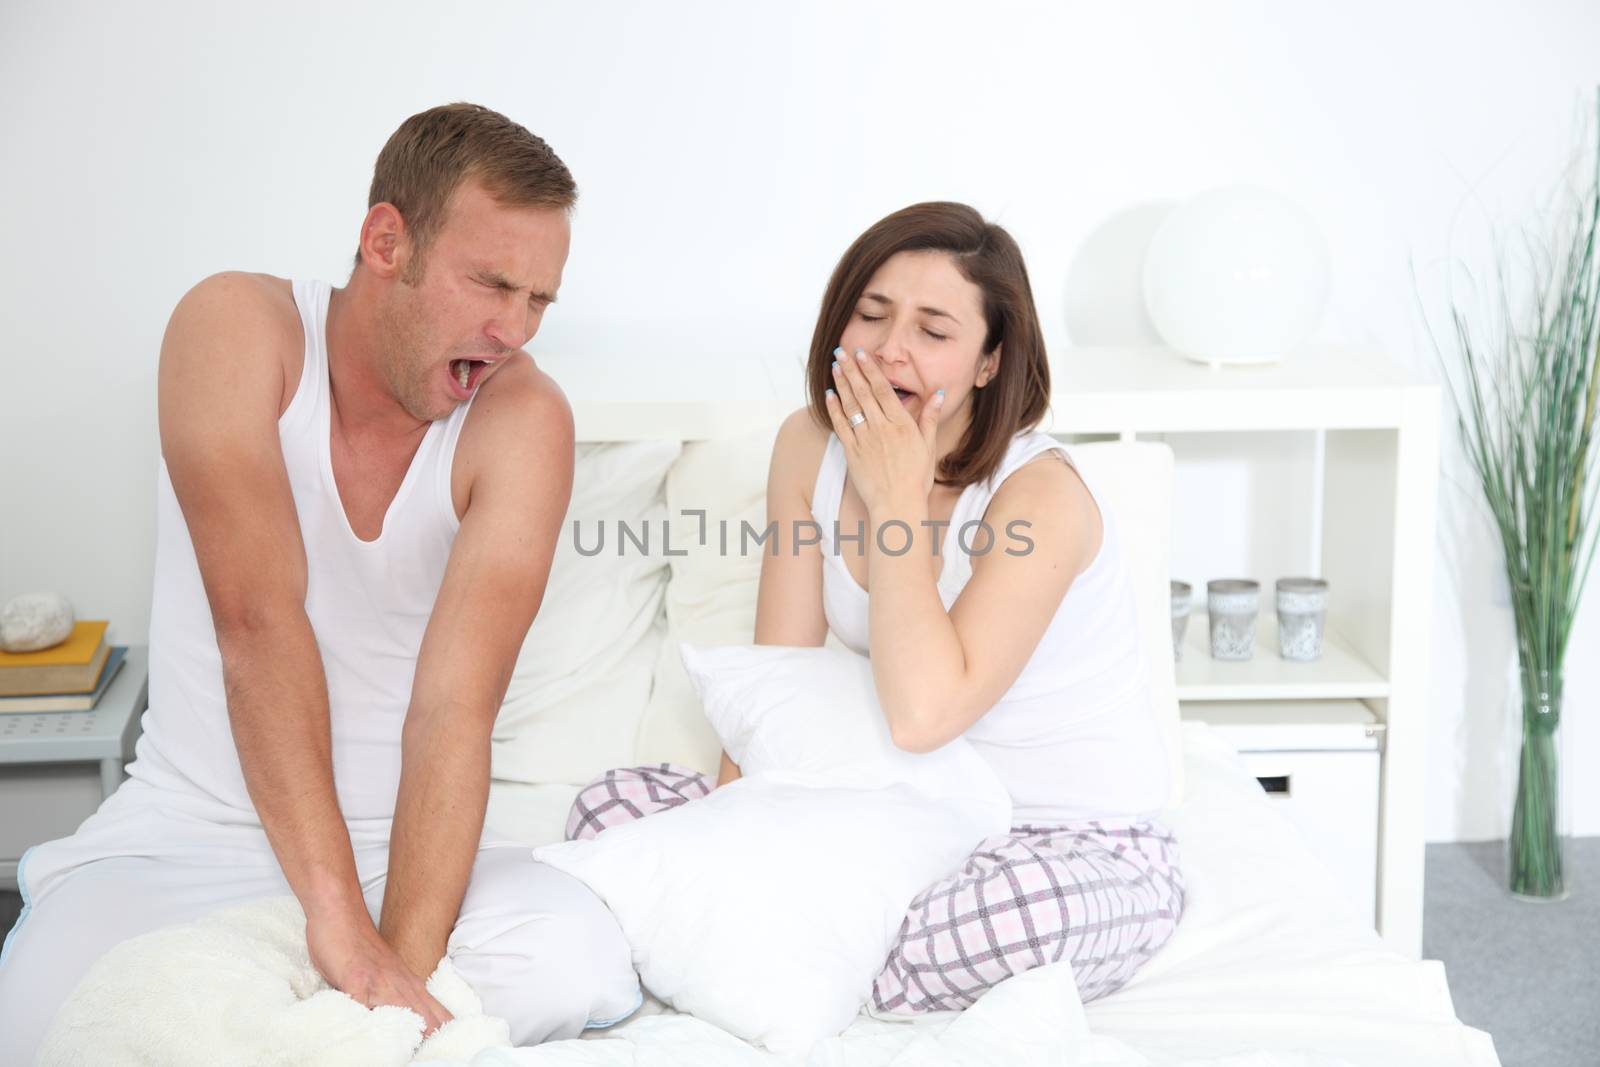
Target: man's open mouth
(467, 372)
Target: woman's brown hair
(987, 256)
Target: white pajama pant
(538, 947)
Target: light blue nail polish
(940, 392)
(830, 391)
(835, 364)
(861, 353)
(839, 351)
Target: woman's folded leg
(1104, 896)
(630, 793)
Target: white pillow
(1135, 480)
(811, 715)
(711, 597)
(769, 906)
(581, 683)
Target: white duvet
(1265, 971)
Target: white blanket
(238, 987)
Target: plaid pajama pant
(1104, 894)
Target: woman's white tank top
(1075, 737)
(368, 603)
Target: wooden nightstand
(57, 767)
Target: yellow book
(76, 650)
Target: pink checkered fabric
(630, 793)
(1104, 894)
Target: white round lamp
(1236, 275)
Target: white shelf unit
(1379, 434)
(1378, 429)
(1340, 674)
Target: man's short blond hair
(435, 151)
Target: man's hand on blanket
(355, 959)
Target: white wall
(726, 153)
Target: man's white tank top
(1075, 737)
(368, 602)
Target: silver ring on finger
(857, 419)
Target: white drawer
(1333, 798)
(41, 802)
(1318, 760)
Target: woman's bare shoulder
(1050, 495)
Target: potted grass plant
(1526, 407)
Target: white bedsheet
(1268, 967)
(1268, 957)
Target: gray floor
(1529, 974)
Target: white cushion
(711, 597)
(812, 715)
(769, 906)
(1135, 480)
(581, 683)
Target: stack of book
(70, 676)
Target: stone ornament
(34, 621)
(1302, 609)
(1233, 604)
(1181, 592)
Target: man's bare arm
(220, 385)
(493, 585)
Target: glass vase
(1536, 846)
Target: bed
(1268, 966)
